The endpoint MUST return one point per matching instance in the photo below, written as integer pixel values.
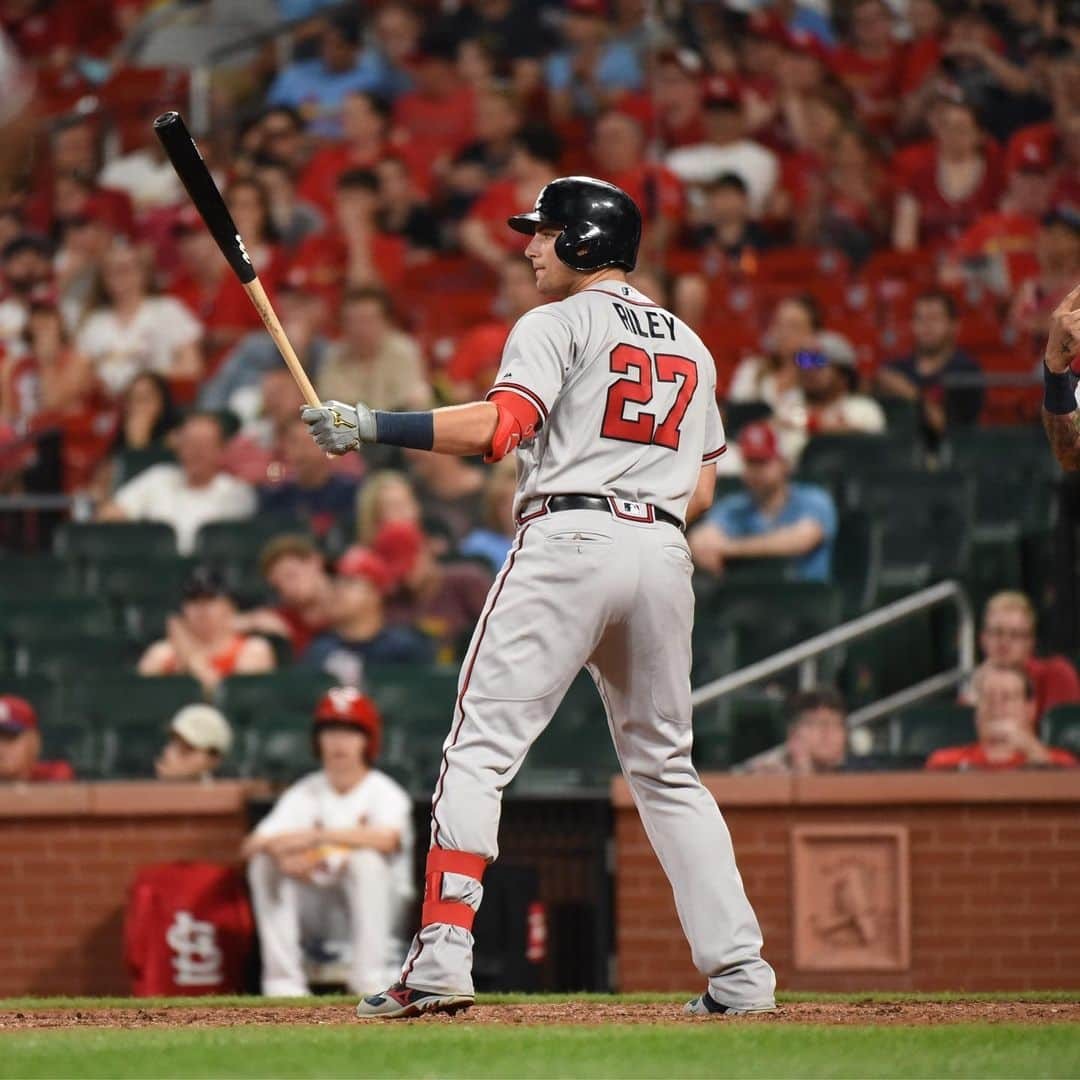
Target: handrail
(809, 650)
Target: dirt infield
(922, 1013)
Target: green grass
(449, 1050)
(253, 1002)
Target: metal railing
(806, 653)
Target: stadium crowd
(867, 209)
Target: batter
(609, 402)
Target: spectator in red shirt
(533, 164)
(444, 600)
(476, 359)
(295, 570)
(203, 640)
(355, 252)
(403, 211)
(945, 185)
(618, 150)
(1008, 640)
(1057, 253)
(999, 248)
(1005, 726)
(209, 289)
(293, 218)
(438, 116)
(677, 98)
(871, 65)
(365, 121)
(249, 204)
(498, 119)
(20, 745)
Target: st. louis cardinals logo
(197, 959)
(243, 250)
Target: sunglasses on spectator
(807, 359)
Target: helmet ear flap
(576, 246)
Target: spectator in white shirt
(131, 331)
(332, 862)
(189, 494)
(727, 149)
(827, 402)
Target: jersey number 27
(637, 387)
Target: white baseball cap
(203, 727)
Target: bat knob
(167, 118)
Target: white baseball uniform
(627, 397)
(359, 896)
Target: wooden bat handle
(261, 301)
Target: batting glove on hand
(339, 428)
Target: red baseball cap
(398, 544)
(758, 442)
(346, 705)
(16, 715)
(722, 90)
(362, 562)
(1033, 156)
(597, 8)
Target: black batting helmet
(601, 224)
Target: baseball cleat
(707, 1005)
(401, 1002)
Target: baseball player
(1061, 398)
(609, 402)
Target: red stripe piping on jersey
(625, 299)
(459, 707)
(648, 519)
(715, 454)
(524, 391)
(468, 677)
(536, 513)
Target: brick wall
(68, 853)
(994, 878)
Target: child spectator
(20, 746)
(772, 519)
(199, 740)
(203, 640)
(816, 736)
(387, 496)
(336, 851)
(1004, 725)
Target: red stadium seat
(800, 266)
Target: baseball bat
(195, 176)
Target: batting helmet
(348, 707)
(601, 224)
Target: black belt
(609, 506)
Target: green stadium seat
(36, 617)
(850, 454)
(268, 713)
(238, 543)
(60, 655)
(769, 617)
(41, 691)
(856, 562)
(143, 592)
(1061, 727)
(903, 419)
(928, 521)
(758, 723)
(577, 739)
(95, 541)
(715, 647)
(737, 414)
(130, 699)
(922, 729)
(36, 575)
(984, 449)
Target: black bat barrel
(190, 167)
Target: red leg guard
(452, 912)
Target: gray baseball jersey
(626, 395)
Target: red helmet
(346, 705)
